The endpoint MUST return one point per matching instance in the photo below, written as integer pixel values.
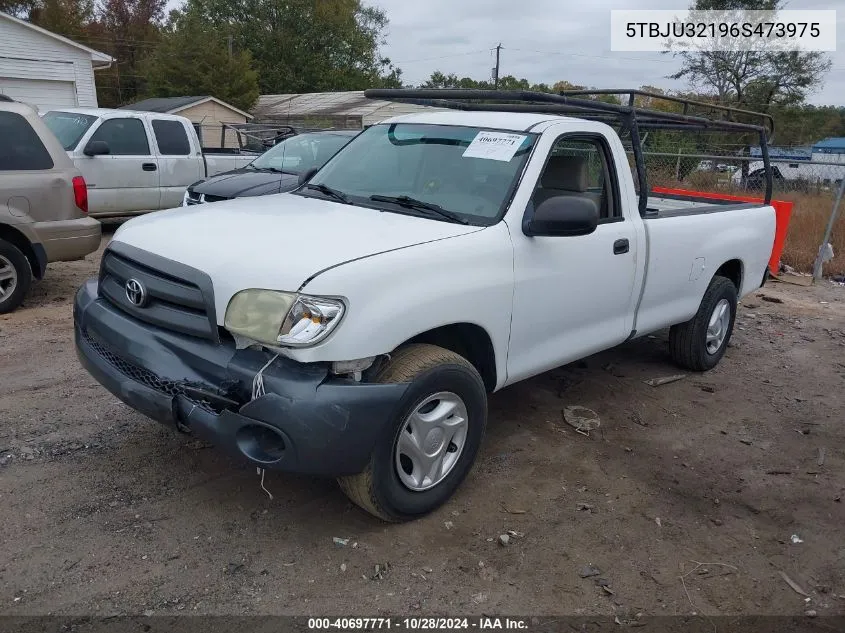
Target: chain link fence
(811, 185)
(742, 175)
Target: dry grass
(810, 215)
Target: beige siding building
(208, 114)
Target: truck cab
(135, 161)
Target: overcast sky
(547, 41)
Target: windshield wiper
(413, 203)
(275, 170)
(334, 193)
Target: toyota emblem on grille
(136, 293)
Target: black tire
(688, 341)
(10, 255)
(429, 369)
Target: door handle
(149, 167)
(620, 246)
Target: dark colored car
(275, 171)
(757, 179)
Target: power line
(613, 57)
(635, 59)
(428, 59)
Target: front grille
(175, 297)
(164, 386)
(138, 374)
(207, 197)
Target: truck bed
(691, 230)
(667, 205)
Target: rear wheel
(433, 441)
(15, 276)
(700, 343)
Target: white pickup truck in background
(353, 328)
(135, 162)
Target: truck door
(126, 178)
(573, 294)
(178, 165)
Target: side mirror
(563, 216)
(96, 148)
(307, 175)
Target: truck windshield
(68, 127)
(468, 172)
(302, 152)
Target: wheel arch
(469, 340)
(34, 253)
(734, 270)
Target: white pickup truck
(354, 327)
(136, 162)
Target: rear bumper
(308, 421)
(66, 240)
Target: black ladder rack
(580, 104)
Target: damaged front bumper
(308, 421)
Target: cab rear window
(21, 149)
(171, 138)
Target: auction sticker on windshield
(494, 146)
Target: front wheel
(700, 343)
(433, 441)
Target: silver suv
(43, 203)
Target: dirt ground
(685, 500)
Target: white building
(44, 69)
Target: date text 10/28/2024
(417, 624)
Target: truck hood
(276, 242)
(246, 182)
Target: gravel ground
(686, 499)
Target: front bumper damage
(308, 421)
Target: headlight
(185, 199)
(282, 318)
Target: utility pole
(230, 45)
(496, 70)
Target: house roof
(832, 145)
(172, 105)
(329, 104)
(98, 59)
(790, 153)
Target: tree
(439, 80)
(19, 8)
(306, 46)
(751, 78)
(804, 125)
(193, 59)
(560, 86)
(508, 82)
(129, 31)
(70, 18)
